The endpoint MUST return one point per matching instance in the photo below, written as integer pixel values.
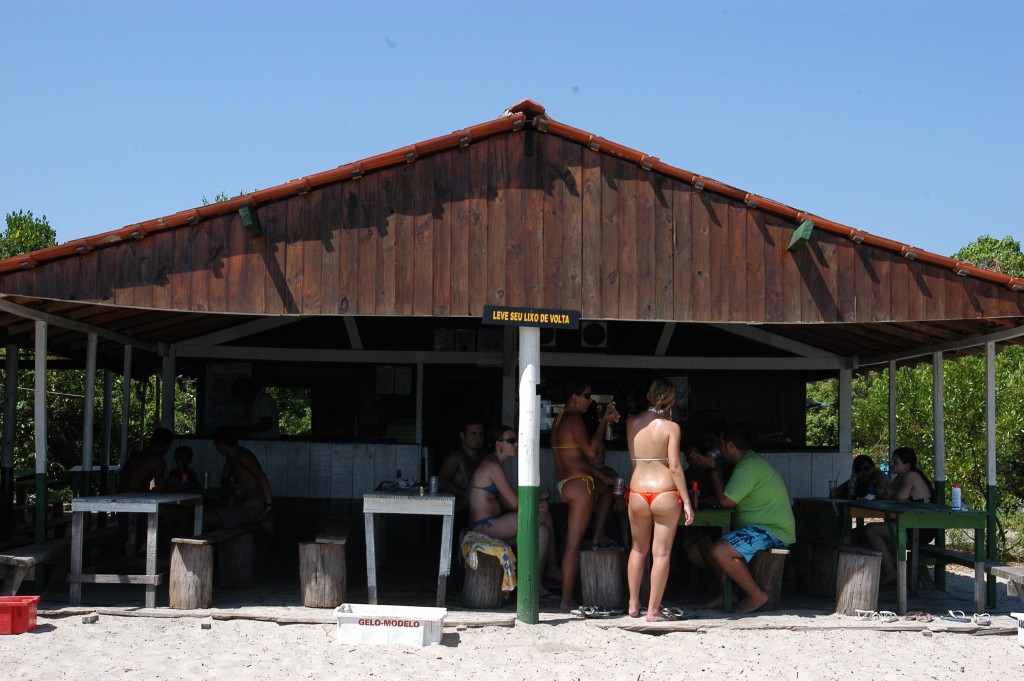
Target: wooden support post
(767, 568)
(601, 581)
(857, 580)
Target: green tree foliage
(25, 233)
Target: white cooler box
(1020, 627)
(383, 624)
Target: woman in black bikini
(910, 484)
(657, 493)
(493, 502)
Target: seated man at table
(244, 484)
(764, 515)
(458, 467)
(145, 468)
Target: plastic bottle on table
(957, 500)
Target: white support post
(846, 410)
(126, 402)
(528, 538)
(167, 385)
(939, 417)
(892, 406)
(89, 404)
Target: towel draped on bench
(474, 542)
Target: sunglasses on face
(585, 396)
(509, 440)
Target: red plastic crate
(18, 614)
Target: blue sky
(900, 118)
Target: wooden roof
(524, 212)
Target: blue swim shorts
(751, 539)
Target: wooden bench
(322, 567)
(18, 561)
(194, 565)
(1013, 574)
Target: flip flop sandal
(887, 616)
(982, 619)
(866, 614)
(918, 616)
(956, 616)
(594, 612)
(676, 613)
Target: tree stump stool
(601, 581)
(482, 587)
(191, 581)
(767, 568)
(857, 580)
(322, 574)
(236, 558)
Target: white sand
(559, 648)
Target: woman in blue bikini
(657, 493)
(493, 502)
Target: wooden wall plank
(405, 240)
(387, 217)
(423, 253)
(348, 248)
(277, 295)
(497, 220)
(458, 219)
(794, 290)
(591, 230)
(569, 188)
(899, 289)
(180, 270)
(755, 277)
(720, 263)
(442, 229)
(474, 187)
(700, 273)
(515, 225)
(682, 251)
(774, 307)
(200, 294)
(311, 240)
(125, 281)
(646, 249)
(533, 225)
(627, 246)
(553, 227)
(367, 242)
(218, 262)
(664, 245)
(609, 239)
(329, 248)
(736, 252)
(294, 218)
(846, 280)
(880, 303)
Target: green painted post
(527, 562)
(6, 503)
(991, 542)
(940, 540)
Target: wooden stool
(191, 584)
(601, 580)
(482, 586)
(857, 580)
(767, 568)
(322, 574)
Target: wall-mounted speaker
(594, 334)
(548, 337)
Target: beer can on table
(620, 487)
(433, 484)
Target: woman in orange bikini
(574, 451)
(657, 493)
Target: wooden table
(411, 503)
(715, 517)
(912, 516)
(148, 503)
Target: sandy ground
(560, 647)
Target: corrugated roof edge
(516, 117)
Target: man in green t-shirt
(763, 513)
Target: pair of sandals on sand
(595, 612)
(982, 619)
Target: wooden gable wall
(524, 219)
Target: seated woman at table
(871, 482)
(493, 502)
(910, 484)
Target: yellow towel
(473, 542)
